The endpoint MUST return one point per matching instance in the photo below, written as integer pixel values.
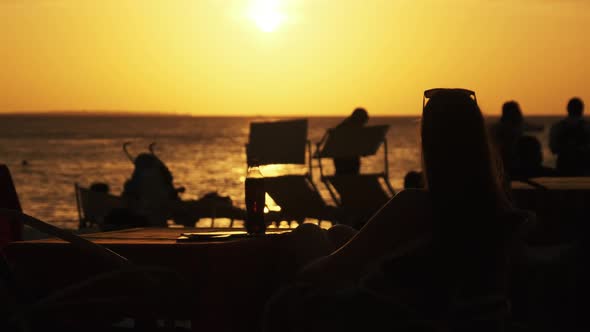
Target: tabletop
(231, 280)
(556, 183)
(156, 236)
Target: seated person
(530, 160)
(100, 187)
(414, 180)
(425, 251)
(150, 191)
(569, 139)
(350, 165)
(506, 133)
(122, 218)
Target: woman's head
(511, 113)
(359, 116)
(457, 157)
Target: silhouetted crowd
(521, 153)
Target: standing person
(569, 139)
(351, 165)
(427, 254)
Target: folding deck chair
(359, 195)
(285, 142)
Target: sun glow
(266, 14)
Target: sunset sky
(290, 57)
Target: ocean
(204, 154)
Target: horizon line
(115, 113)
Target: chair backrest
(277, 142)
(361, 194)
(285, 142)
(94, 206)
(10, 229)
(353, 142)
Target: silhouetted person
(414, 180)
(569, 139)
(122, 218)
(100, 187)
(506, 133)
(530, 159)
(425, 251)
(150, 190)
(351, 165)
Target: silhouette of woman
(425, 250)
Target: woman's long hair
(464, 181)
(459, 163)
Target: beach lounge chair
(286, 143)
(359, 195)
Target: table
(556, 183)
(233, 278)
(562, 205)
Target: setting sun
(266, 15)
(287, 57)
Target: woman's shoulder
(413, 202)
(413, 195)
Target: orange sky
(209, 57)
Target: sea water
(204, 155)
